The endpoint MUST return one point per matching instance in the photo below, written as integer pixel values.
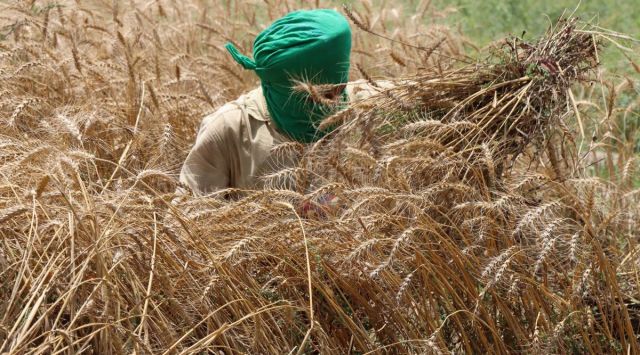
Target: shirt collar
(255, 104)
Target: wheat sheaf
(467, 219)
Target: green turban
(313, 45)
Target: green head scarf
(313, 45)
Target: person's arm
(208, 165)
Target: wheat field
(486, 203)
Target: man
(234, 144)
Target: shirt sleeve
(208, 165)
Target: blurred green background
(483, 21)
(488, 19)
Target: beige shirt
(233, 146)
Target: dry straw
(465, 217)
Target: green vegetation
(439, 240)
(489, 20)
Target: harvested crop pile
(465, 221)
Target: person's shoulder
(232, 112)
(251, 102)
(228, 111)
(221, 123)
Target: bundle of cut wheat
(508, 100)
(434, 246)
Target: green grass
(488, 20)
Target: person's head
(312, 46)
